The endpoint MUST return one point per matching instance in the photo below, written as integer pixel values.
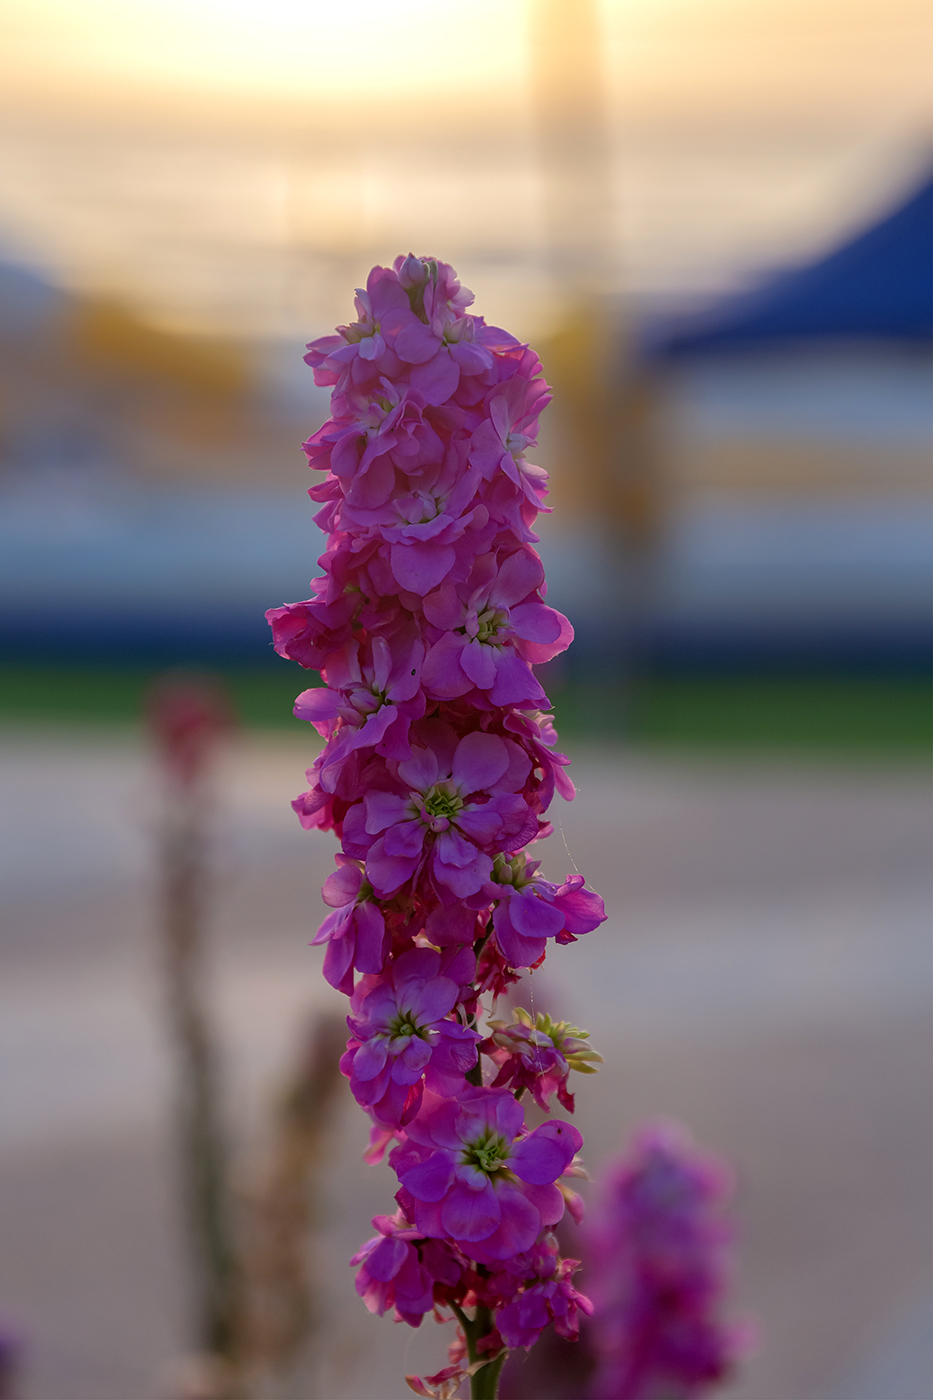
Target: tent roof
(878, 285)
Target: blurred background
(714, 221)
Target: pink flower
(355, 933)
(388, 431)
(474, 1175)
(362, 351)
(529, 909)
(492, 627)
(501, 439)
(374, 695)
(430, 526)
(306, 632)
(399, 1269)
(538, 1286)
(462, 799)
(443, 1385)
(659, 1251)
(441, 344)
(402, 1037)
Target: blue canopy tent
(878, 285)
(873, 291)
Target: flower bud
(412, 273)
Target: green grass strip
(838, 712)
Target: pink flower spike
(425, 620)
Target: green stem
(484, 1383)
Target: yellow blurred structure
(605, 466)
(90, 378)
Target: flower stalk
(438, 767)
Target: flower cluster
(658, 1268)
(437, 770)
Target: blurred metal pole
(575, 160)
(607, 467)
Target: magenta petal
(437, 379)
(518, 576)
(338, 960)
(420, 771)
(387, 1258)
(443, 674)
(343, 884)
(371, 938)
(438, 1125)
(464, 881)
(370, 1058)
(547, 1201)
(478, 761)
(540, 1160)
(515, 684)
(430, 1180)
(481, 824)
(370, 733)
(436, 998)
(568, 1138)
(319, 703)
(533, 917)
(582, 910)
(336, 925)
(470, 1215)
(416, 343)
(451, 849)
(428, 1219)
(520, 1223)
(479, 663)
(409, 1066)
(419, 567)
(386, 872)
(405, 839)
(536, 622)
(383, 809)
(517, 951)
(444, 609)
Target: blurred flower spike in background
(659, 1262)
(188, 717)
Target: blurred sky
(209, 160)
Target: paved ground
(764, 976)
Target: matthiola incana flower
(537, 1053)
(436, 767)
(355, 933)
(498, 605)
(473, 1175)
(462, 800)
(403, 1036)
(373, 694)
(400, 1269)
(539, 1292)
(529, 910)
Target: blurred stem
(203, 1165)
